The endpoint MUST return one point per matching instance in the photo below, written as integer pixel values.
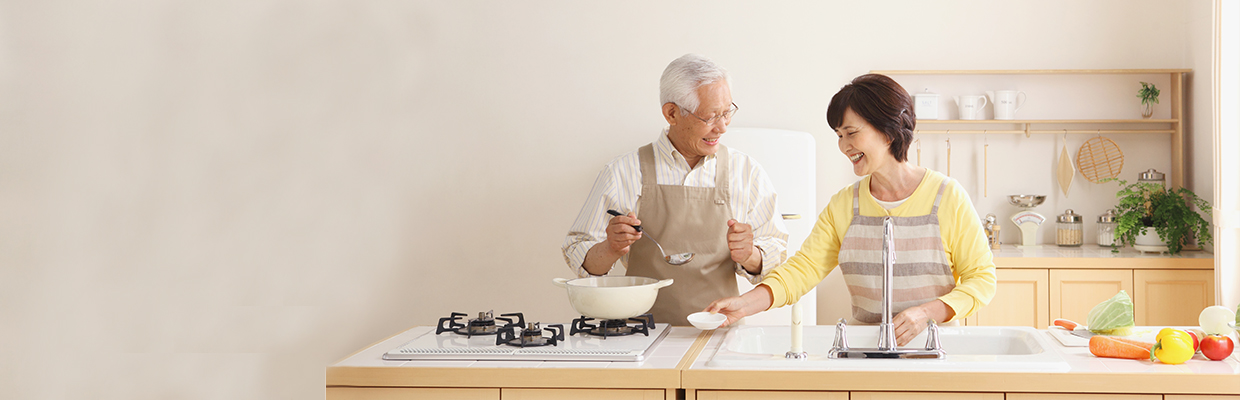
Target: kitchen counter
(1094, 256)
(1086, 374)
(679, 362)
(367, 369)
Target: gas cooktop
(509, 337)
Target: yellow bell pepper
(1172, 346)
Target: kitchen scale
(429, 346)
(1028, 220)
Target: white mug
(970, 107)
(1006, 103)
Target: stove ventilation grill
(453, 351)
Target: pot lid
(1069, 216)
(1152, 175)
(926, 93)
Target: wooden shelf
(1031, 71)
(1174, 125)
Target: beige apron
(921, 273)
(685, 219)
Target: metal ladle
(674, 259)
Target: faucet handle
(841, 336)
(932, 337)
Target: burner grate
(483, 325)
(613, 327)
(531, 336)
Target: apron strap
(645, 156)
(721, 175)
(857, 198)
(943, 187)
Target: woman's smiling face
(866, 147)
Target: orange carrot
(1144, 345)
(1114, 347)
(1066, 324)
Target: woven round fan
(1100, 158)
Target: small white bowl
(706, 321)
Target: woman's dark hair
(881, 102)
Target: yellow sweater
(963, 239)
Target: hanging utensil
(1066, 170)
(949, 154)
(985, 165)
(1100, 158)
(918, 152)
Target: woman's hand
(752, 302)
(910, 322)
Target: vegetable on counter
(1116, 347)
(1113, 316)
(1172, 346)
(1217, 347)
(1066, 324)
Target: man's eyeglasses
(726, 115)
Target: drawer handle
(791, 216)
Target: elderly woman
(943, 271)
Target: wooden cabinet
(1168, 297)
(1079, 396)
(1076, 291)
(1021, 299)
(574, 394)
(1164, 292)
(769, 395)
(925, 396)
(348, 393)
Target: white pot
(612, 297)
(1150, 238)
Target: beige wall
(218, 199)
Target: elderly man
(692, 195)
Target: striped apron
(921, 272)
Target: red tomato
(1196, 340)
(1216, 347)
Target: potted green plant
(1149, 96)
(1145, 205)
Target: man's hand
(621, 234)
(740, 243)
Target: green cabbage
(1113, 316)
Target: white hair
(684, 76)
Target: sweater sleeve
(972, 262)
(817, 257)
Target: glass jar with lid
(1106, 228)
(1153, 176)
(1069, 232)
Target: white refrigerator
(788, 158)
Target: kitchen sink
(978, 348)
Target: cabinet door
(768, 395)
(592, 394)
(1020, 300)
(1171, 297)
(352, 393)
(1079, 396)
(925, 396)
(1076, 291)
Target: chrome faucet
(886, 330)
